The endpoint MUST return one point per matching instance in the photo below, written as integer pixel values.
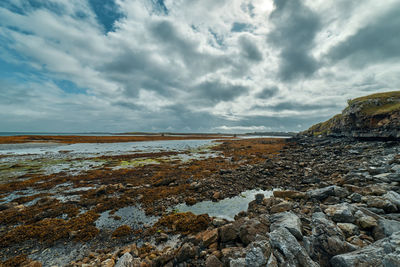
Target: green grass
(386, 95)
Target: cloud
(377, 42)
(295, 27)
(152, 65)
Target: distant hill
(372, 116)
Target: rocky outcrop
(373, 116)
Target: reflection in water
(226, 208)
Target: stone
(213, 261)
(216, 195)
(208, 237)
(349, 229)
(125, 260)
(107, 263)
(255, 257)
(249, 230)
(343, 213)
(381, 203)
(393, 197)
(294, 254)
(384, 251)
(327, 239)
(281, 207)
(366, 222)
(228, 232)
(272, 261)
(290, 221)
(289, 194)
(385, 228)
(233, 253)
(355, 197)
(259, 198)
(239, 262)
(185, 252)
(321, 193)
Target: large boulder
(342, 213)
(289, 220)
(125, 260)
(386, 228)
(384, 252)
(286, 244)
(327, 240)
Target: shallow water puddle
(132, 216)
(226, 208)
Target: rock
(290, 221)
(349, 229)
(107, 263)
(216, 195)
(365, 221)
(255, 257)
(341, 213)
(272, 262)
(321, 193)
(125, 260)
(185, 252)
(384, 251)
(239, 262)
(327, 239)
(294, 254)
(249, 230)
(393, 197)
(385, 228)
(208, 237)
(228, 232)
(259, 198)
(381, 203)
(232, 253)
(281, 207)
(190, 201)
(213, 261)
(355, 197)
(217, 222)
(289, 194)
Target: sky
(191, 65)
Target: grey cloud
(295, 29)
(268, 92)
(295, 106)
(215, 91)
(250, 50)
(377, 42)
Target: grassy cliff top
(378, 104)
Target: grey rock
(327, 239)
(343, 213)
(393, 197)
(240, 262)
(384, 252)
(355, 197)
(294, 254)
(348, 229)
(272, 261)
(290, 221)
(321, 193)
(255, 257)
(385, 228)
(125, 260)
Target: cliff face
(373, 116)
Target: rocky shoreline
(338, 204)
